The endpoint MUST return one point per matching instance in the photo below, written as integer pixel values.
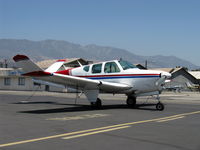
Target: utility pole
(6, 65)
(145, 64)
(1, 65)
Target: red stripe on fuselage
(68, 72)
(115, 75)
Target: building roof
(6, 69)
(170, 70)
(10, 71)
(177, 69)
(164, 69)
(196, 74)
(46, 63)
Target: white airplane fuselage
(141, 81)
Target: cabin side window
(61, 68)
(126, 65)
(96, 68)
(111, 67)
(86, 68)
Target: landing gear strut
(96, 104)
(131, 101)
(159, 105)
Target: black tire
(160, 106)
(97, 104)
(131, 101)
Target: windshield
(126, 65)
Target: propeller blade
(161, 80)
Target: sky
(144, 27)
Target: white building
(10, 79)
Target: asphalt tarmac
(43, 120)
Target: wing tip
(20, 57)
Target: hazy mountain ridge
(57, 49)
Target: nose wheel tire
(160, 106)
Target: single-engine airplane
(116, 76)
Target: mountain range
(58, 49)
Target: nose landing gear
(131, 102)
(159, 106)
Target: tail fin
(29, 67)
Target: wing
(86, 84)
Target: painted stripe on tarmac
(94, 132)
(96, 129)
(170, 119)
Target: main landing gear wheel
(160, 106)
(131, 101)
(96, 104)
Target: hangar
(181, 78)
(196, 74)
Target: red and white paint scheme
(116, 76)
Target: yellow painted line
(170, 119)
(54, 136)
(191, 113)
(71, 133)
(95, 132)
(95, 129)
(184, 114)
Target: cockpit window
(111, 67)
(96, 68)
(126, 65)
(86, 68)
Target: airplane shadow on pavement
(81, 107)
